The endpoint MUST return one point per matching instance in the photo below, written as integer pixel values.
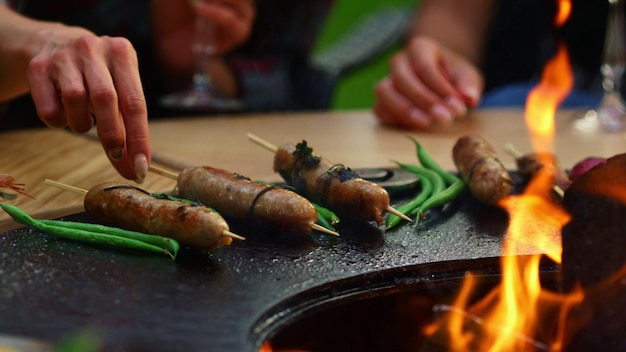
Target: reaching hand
(231, 20)
(77, 76)
(428, 84)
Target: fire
(535, 221)
(565, 8)
(544, 99)
(266, 347)
(513, 316)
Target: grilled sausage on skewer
(529, 165)
(487, 179)
(238, 198)
(331, 185)
(134, 209)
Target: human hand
(174, 31)
(76, 76)
(427, 85)
(231, 21)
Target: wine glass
(610, 115)
(202, 96)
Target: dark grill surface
(232, 299)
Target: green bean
(166, 243)
(73, 232)
(326, 217)
(455, 184)
(427, 161)
(439, 183)
(102, 239)
(17, 214)
(407, 208)
(444, 197)
(444, 187)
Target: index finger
(132, 104)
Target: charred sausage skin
(331, 185)
(238, 198)
(134, 209)
(531, 164)
(486, 177)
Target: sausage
(486, 177)
(238, 198)
(331, 185)
(134, 209)
(530, 165)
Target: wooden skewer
(395, 212)
(509, 148)
(269, 146)
(65, 186)
(159, 171)
(233, 235)
(262, 142)
(84, 191)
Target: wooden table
(31, 156)
(353, 138)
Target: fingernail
(141, 167)
(471, 93)
(441, 113)
(116, 154)
(418, 115)
(457, 107)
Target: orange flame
(544, 99)
(565, 8)
(511, 317)
(535, 221)
(266, 347)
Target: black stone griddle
(234, 298)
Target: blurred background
(355, 86)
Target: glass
(610, 115)
(202, 95)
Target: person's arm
(26, 37)
(460, 26)
(74, 76)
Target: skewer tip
(64, 186)
(233, 235)
(258, 140)
(324, 230)
(395, 212)
(510, 148)
(559, 190)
